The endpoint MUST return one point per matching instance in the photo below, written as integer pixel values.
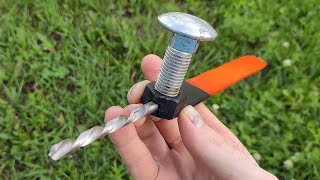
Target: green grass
(63, 63)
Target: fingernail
(130, 90)
(194, 117)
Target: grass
(63, 63)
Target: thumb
(208, 147)
(200, 140)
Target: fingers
(209, 147)
(150, 66)
(136, 91)
(149, 135)
(147, 130)
(169, 129)
(133, 151)
(193, 128)
(214, 123)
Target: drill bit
(68, 146)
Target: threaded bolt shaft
(172, 73)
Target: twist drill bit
(68, 146)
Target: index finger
(133, 151)
(150, 66)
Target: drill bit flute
(68, 146)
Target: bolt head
(187, 25)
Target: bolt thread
(172, 73)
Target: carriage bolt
(187, 31)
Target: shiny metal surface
(68, 146)
(171, 76)
(187, 31)
(187, 25)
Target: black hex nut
(169, 107)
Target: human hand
(196, 145)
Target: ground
(63, 63)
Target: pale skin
(196, 145)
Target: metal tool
(188, 31)
(68, 146)
(166, 96)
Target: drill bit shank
(68, 146)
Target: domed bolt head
(187, 30)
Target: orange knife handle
(220, 78)
(199, 88)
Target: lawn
(63, 63)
